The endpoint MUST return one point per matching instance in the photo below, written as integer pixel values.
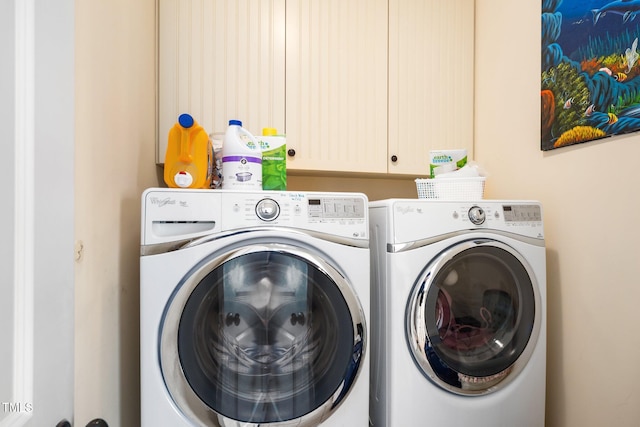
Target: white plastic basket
(463, 188)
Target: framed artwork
(590, 86)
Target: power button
(267, 209)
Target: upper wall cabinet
(220, 60)
(336, 108)
(431, 80)
(357, 85)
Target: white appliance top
(411, 220)
(176, 214)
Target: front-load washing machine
(254, 308)
(458, 313)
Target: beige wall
(115, 146)
(593, 262)
(590, 204)
(376, 188)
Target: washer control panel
(175, 214)
(343, 214)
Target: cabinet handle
(291, 152)
(394, 158)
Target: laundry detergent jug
(241, 159)
(188, 162)
(274, 159)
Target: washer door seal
(259, 335)
(473, 317)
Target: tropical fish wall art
(590, 86)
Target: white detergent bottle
(241, 159)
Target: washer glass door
(265, 334)
(472, 319)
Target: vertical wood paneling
(431, 52)
(221, 60)
(337, 84)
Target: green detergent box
(274, 159)
(441, 161)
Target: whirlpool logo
(407, 210)
(167, 201)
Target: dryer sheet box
(441, 161)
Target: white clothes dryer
(254, 308)
(458, 333)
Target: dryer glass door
(266, 334)
(472, 319)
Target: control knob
(267, 209)
(477, 215)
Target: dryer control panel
(413, 220)
(512, 214)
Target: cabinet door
(220, 60)
(336, 89)
(431, 57)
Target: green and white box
(441, 161)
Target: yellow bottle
(188, 162)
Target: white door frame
(36, 236)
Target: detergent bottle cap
(235, 122)
(269, 131)
(185, 120)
